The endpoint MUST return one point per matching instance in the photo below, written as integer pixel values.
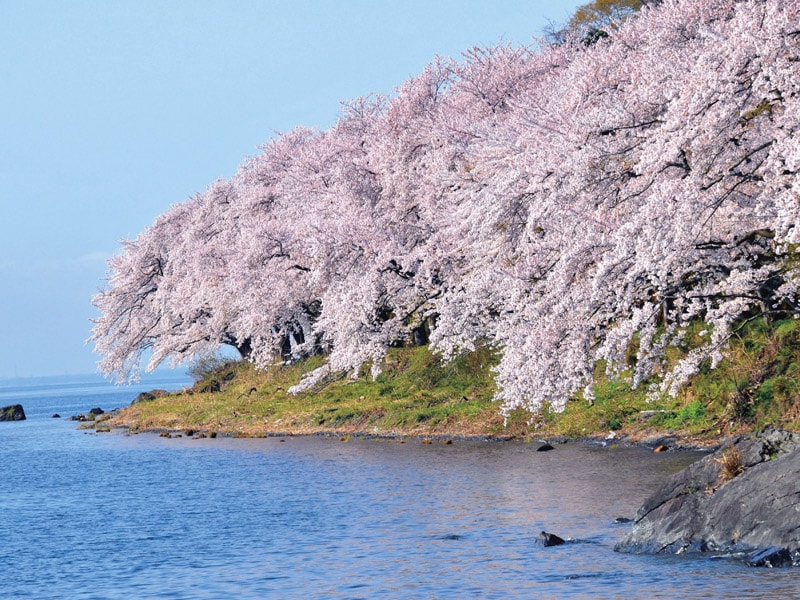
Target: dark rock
(654, 442)
(14, 412)
(56, 416)
(619, 520)
(546, 447)
(143, 397)
(211, 386)
(96, 411)
(549, 539)
(742, 498)
(770, 557)
(148, 396)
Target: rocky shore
(743, 500)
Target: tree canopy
(595, 20)
(565, 205)
(604, 14)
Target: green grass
(756, 386)
(416, 394)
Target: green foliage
(593, 21)
(756, 384)
(209, 367)
(604, 13)
(692, 417)
(212, 373)
(615, 407)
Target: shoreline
(419, 396)
(416, 397)
(662, 441)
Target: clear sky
(111, 111)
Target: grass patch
(755, 386)
(416, 394)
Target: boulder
(771, 557)
(14, 412)
(148, 396)
(743, 499)
(96, 411)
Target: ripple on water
(108, 516)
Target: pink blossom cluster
(559, 203)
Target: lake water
(107, 515)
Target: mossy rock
(14, 412)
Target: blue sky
(111, 111)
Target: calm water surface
(90, 515)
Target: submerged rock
(14, 412)
(549, 539)
(744, 498)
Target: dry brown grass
(731, 464)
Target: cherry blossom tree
(563, 204)
(649, 202)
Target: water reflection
(312, 517)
